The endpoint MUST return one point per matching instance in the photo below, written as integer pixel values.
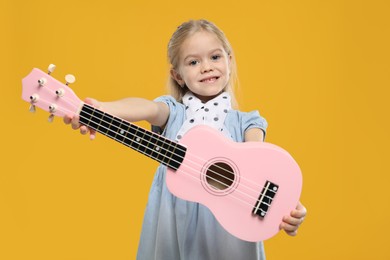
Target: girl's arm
(129, 109)
(254, 135)
(290, 224)
(137, 109)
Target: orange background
(317, 70)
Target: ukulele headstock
(41, 90)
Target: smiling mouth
(209, 80)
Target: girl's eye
(216, 57)
(193, 62)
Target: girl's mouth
(210, 80)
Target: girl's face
(204, 65)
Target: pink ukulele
(248, 187)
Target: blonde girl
(201, 81)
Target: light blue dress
(176, 229)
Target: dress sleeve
(174, 108)
(254, 120)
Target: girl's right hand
(74, 120)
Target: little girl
(202, 77)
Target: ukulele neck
(146, 142)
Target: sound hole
(220, 176)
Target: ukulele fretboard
(146, 142)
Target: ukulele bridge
(265, 199)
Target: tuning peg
(34, 98)
(70, 79)
(32, 108)
(42, 82)
(52, 109)
(51, 118)
(51, 68)
(60, 92)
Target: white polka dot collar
(211, 113)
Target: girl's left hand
(291, 223)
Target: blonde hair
(179, 36)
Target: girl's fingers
(67, 119)
(299, 212)
(291, 230)
(92, 135)
(83, 130)
(75, 122)
(287, 227)
(96, 104)
(293, 221)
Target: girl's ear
(176, 76)
(230, 63)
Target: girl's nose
(206, 67)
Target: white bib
(212, 113)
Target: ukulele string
(165, 156)
(188, 173)
(155, 136)
(118, 120)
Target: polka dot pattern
(211, 113)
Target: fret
(168, 156)
(162, 151)
(177, 156)
(106, 123)
(143, 144)
(97, 118)
(146, 142)
(166, 153)
(128, 138)
(154, 146)
(132, 134)
(87, 117)
(157, 150)
(171, 158)
(119, 132)
(151, 143)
